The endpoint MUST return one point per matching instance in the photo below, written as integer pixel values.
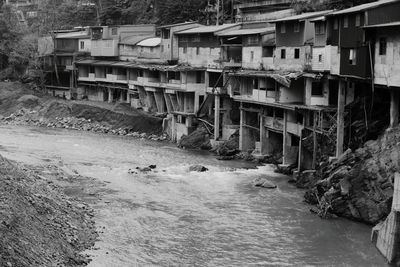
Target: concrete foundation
(386, 235)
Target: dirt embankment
(20, 105)
(39, 225)
(359, 185)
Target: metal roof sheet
(303, 16)
(364, 7)
(390, 24)
(150, 42)
(207, 29)
(85, 62)
(72, 35)
(103, 63)
(133, 40)
(247, 31)
(179, 24)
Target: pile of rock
(32, 118)
(359, 184)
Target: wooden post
(217, 116)
(262, 133)
(340, 119)
(394, 108)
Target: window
(382, 46)
(251, 55)
(345, 22)
(82, 45)
(296, 27)
(283, 28)
(255, 83)
(358, 20)
(166, 34)
(268, 51)
(319, 28)
(252, 40)
(185, 49)
(297, 53)
(353, 57)
(197, 50)
(336, 24)
(283, 53)
(319, 58)
(114, 31)
(316, 89)
(196, 39)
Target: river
(172, 217)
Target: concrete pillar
(128, 97)
(173, 128)
(241, 129)
(217, 113)
(263, 137)
(285, 139)
(300, 160)
(340, 118)
(121, 96)
(394, 108)
(160, 101)
(308, 91)
(110, 95)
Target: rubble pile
(33, 118)
(39, 225)
(358, 185)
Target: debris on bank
(358, 185)
(39, 225)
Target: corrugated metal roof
(103, 63)
(303, 16)
(208, 29)
(390, 24)
(321, 18)
(72, 35)
(179, 24)
(363, 7)
(85, 62)
(150, 42)
(133, 40)
(247, 31)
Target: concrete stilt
(386, 235)
(128, 97)
(340, 119)
(241, 129)
(394, 108)
(217, 113)
(121, 96)
(285, 139)
(110, 95)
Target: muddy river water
(173, 217)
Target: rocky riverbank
(39, 224)
(359, 185)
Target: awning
(85, 62)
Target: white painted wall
(207, 57)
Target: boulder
(264, 183)
(197, 168)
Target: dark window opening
(296, 53)
(283, 53)
(279, 113)
(382, 46)
(316, 89)
(268, 51)
(299, 118)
